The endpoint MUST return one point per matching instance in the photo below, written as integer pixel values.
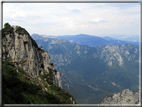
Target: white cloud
(74, 18)
(97, 19)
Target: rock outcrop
(57, 80)
(124, 97)
(19, 47)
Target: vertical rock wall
(21, 48)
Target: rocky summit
(28, 75)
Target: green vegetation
(50, 77)
(7, 29)
(19, 88)
(21, 31)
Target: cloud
(97, 21)
(74, 18)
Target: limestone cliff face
(124, 97)
(57, 80)
(19, 47)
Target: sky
(58, 19)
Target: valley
(101, 70)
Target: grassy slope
(19, 88)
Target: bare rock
(21, 48)
(124, 97)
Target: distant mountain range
(91, 73)
(132, 38)
(94, 41)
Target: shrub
(7, 29)
(21, 31)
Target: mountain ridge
(95, 65)
(28, 67)
(92, 41)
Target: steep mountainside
(93, 41)
(28, 75)
(103, 70)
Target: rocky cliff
(124, 97)
(19, 47)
